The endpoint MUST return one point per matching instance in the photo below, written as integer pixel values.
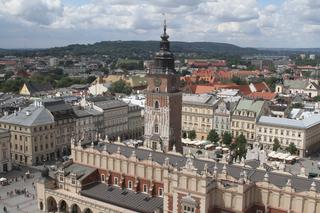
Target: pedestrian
(17, 206)
(5, 209)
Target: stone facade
(189, 186)
(5, 159)
(32, 134)
(245, 117)
(222, 117)
(304, 134)
(198, 114)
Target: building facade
(198, 114)
(5, 159)
(304, 134)
(245, 117)
(32, 134)
(65, 124)
(163, 101)
(222, 116)
(135, 121)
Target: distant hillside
(139, 49)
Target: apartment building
(222, 116)
(65, 123)
(305, 134)
(198, 113)
(32, 134)
(245, 117)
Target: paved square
(24, 204)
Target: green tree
(237, 80)
(227, 138)
(120, 87)
(240, 147)
(213, 136)
(292, 149)
(192, 135)
(276, 144)
(90, 79)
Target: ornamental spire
(164, 36)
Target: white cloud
(243, 22)
(42, 12)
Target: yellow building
(198, 113)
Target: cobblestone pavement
(19, 203)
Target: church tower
(163, 101)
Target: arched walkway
(51, 204)
(75, 208)
(87, 211)
(63, 207)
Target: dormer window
(73, 181)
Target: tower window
(129, 184)
(156, 104)
(157, 89)
(116, 181)
(156, 128)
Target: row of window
(281, 140)
(196, 110)
(196, 119)
(242, 125)
(245, 113)
(281, 132)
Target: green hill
(138, 49)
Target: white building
(305, 134)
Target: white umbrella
(3, 179)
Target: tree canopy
(292, 149)
(120, 87)
(192, 135)
(240, 146)
(227, 138)
(276, 144)
(213, 136)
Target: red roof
(260, 87)
(244, 89)
(201, 89)
(268, 96)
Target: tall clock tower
(163, 101)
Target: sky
(247, 23)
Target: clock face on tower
(157, 82)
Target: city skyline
(248, 23)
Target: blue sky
(253, 23)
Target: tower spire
(164, 36)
